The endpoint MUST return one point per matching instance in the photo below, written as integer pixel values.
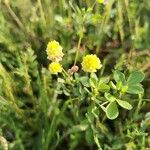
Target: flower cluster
(91, 63)
(55, 67)
(54, 51)
(55, 54)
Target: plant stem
(14, 16)
(139, 104)
(77, 50)
(64, 72)
(94, 4)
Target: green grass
(41, 111)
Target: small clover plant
(106, 93)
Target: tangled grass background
(41, 111)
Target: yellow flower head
(100, 1)
(91, 63)
(54, 51)
(55, 68)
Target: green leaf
(112, 110)
(135, 77)
(119, 76)
(94, 76)
(104, 79)
(124, 104)
(85, 81)
(119, 85)
(135, 89)
(103, 87)
(89, 136)
(76, 75)
(109, 97)
(93, 80)
(112, 85)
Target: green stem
(14, 16)
(65, 73)
(105, 103)
(67, 77)
(94, 4)
(77, 50)
(139, 104)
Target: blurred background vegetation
(118, 32)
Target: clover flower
(54, 51)
(4, 143)
(55, 68)
(91, 63)
(100, 1)
(103, 1)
